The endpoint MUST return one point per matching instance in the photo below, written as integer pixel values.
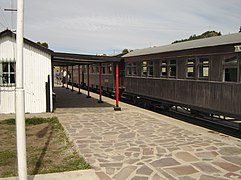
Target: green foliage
(33, 121)
(44, 44)
(203, 35)
(125, 51)
(8, 121)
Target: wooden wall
(213, 96)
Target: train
(200, 76)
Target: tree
(203, 35)
(44, 44)
(125, 51)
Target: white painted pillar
(19, 101)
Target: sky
(109, 26)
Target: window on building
(7, 73)
(203, 67)
(144, 68)
(191, 70)
(172, 67)
(230, 66)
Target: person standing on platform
(57, 77)
(64, 76)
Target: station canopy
(70, 59)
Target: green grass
(48, 148)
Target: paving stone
(185, 156)
(211, 148)
(110, 171)
(110, 164)
(160, 150)
(165, 162)
(186, 178)
(148, 151)
(230, 151)
(233, 159)
(133, 149)
(181, 170)
(139, 178)
(209, 154)
(103, 176)
(127, 135)
(207, 177)
(157, 177)
(227, 166)
(206, 167)
(125, 172)
(144, 170)
(118, 158)
(233, 175)
(110, 140)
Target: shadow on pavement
(65, 98)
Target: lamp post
(19, 105)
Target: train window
(103, 68)
(150, 68)
(163, 67)
(97, 69)
(131, 69)
(144, 68)
(203, 67)
(109, 68)
(230, 74)
(7, 73)
(93, 68)
(134, 69)
(84, 68)
(172, 68)
(230, 66)
(191, 68)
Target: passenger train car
(201, 76)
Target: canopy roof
(64, 59)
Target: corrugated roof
(206, 42)
(27, 41)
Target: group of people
(63, 75)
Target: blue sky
(109, 26)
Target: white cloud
(106, 26)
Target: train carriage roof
(200, 43)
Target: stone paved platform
(138, 144)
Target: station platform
(136, 144)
